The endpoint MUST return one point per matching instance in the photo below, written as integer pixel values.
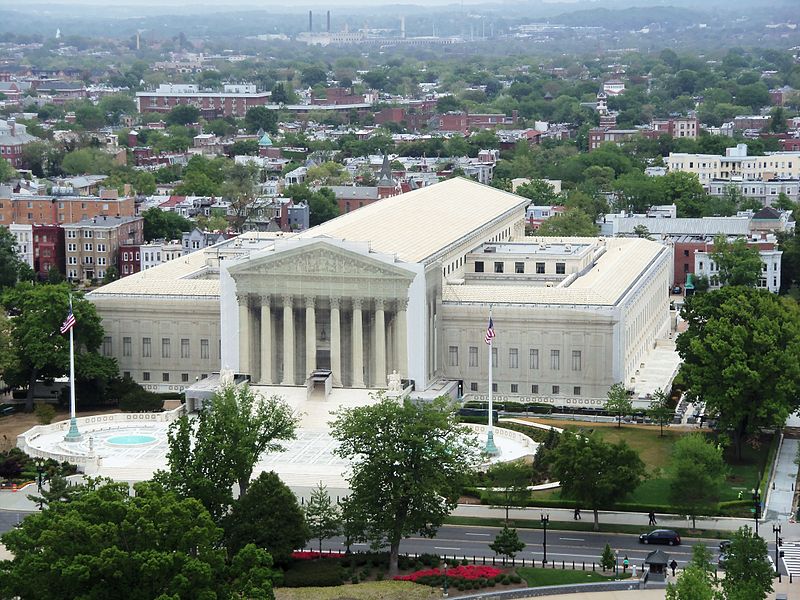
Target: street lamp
(616, 563)
(776, 529)
(39, 472)
(545, 520)
(756, 506)
(444, 590)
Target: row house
(465, 121)
(276, 214)
(235, 99)
(765, 191)
(59, 91)
(13, 138)
(736, 165)
(677, 127)
(41, 247)
(197, 239)
(129, 259)
(158, 252)
(92, 245)
(59, 210)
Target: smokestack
(328, 22)
(310, 21)
(402, 27)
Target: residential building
(754, 122)
(765, 191)
(24, 208)
(737, 165)
(196, 239)
(536, 215)
(130, 260)
(13, 138)
(677, 127)
(48, 250)
(235, 99)
(704, 265)
(158, 252)
(92, 245)
(23, 234)
(601, 135)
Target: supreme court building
(403, 284)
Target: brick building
(234, 100)
(92, 245)
(60, 209)
(13, 137)
(48, 249)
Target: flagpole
(73, 435)
(491, 449)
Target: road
(10, 518)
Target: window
(519, 267)
(576, 391)
(126, 346)
(184, 377)
(126, 374)
(473, 356)
(576, 360)
(164, 347)
(561, 268)
(514, 388)
(534, 358)
(494, 387)
(146, 376)
(72, 248)
(556, 389)
(479, 266)
(473, 387)
(185, 348)
(555, 360)
(88, 233)
(453, 356)
(494, 357)
(534, 389)
(146, 352)
(72, 260)
(513, 358)
(204, 349)
(701, 265)
(72, 234)
(87, 247)
(107, 346)
(101, 247)
(165, 377)
(540, 268)
(498, 267)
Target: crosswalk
(791, 557)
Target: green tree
(40, 351)
(313, 75)
(507, 543)
(239, 188)
(685, 191)
(594, 473)
(692, 584)
(269, 517)
(642, 231)
(539, 192)
(738, 263)
(618, 402)
(571, 223)
(659, 409)
(112, 274)
(261, 117)
(511, 478)
(112, 107)
(410, 462)
(11, 265)
(607, 559)
(322, 515)
(322, 206)
(748, 572)
(87, 161)
(7, 354)
(89, 116)
(182, 114)
(161, 224)
(7, 172)
(696, 475)
(741, 355)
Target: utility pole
(545, 520)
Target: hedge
(315, 573)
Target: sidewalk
(781, 489)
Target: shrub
(45, 413)
(143, 401)
(516, 578)
(321, 573)
(470, 575)
(430, 560)
(310, 555)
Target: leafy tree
(244, 148)
(282, 95)
(594, 473)
(313, 75)
(692, 584)
(322, 206)
(40, 351)
(685, 191)
(748, 573)
(741, 355)
(269, 517)
(571, 223)
(697, 473)
(106, 543)
(642, 231)
(738, 263)
(447, 104)
(322, 515)
(112, 274)
(507, 543)
(7, 355)
(410, 462)
(7, 172)
(513, 478)
(608, 560)
(659, 409)
(11, 265)
(618, 402)
(87, 161)
(161, 224)
(89, 116)
(182, 114)
(261, 117)
(116, 105)
(540, 193)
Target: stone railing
(509, 434)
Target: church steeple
(385, 178)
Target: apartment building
(737, 165)
(92, 245)
(29, 209)
(235, 99)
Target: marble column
(401, 338)
(288, 341)
(266, 341)
(244, 332)
(311, 335)
(336, 342)
(380, 343)
(358, 346)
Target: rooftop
(103, 221)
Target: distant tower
(310, 21)
(328, 22)
(403, 27)
(58, 34)
(601, 106)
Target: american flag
(69, 322)
(490, 332)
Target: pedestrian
(673, 565)
(625, 564)
(652, 516)
(577, 515)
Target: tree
(106, 543)
(39, 348)
(322, 515)
(513, 478)
(594, 473)
(116, 105)
(410, 462)
(741, 355)
(571, 223)
(608, 560)
(261, 117)
(89, 116)
(240, 189)
(659, 410)
(539, 192)
(692, 584)
(164, 225)
(322, 206)
(685, 191)
(618, 402)
(507, 543)
(7, 355)
(112, 274)
(696, 474)
(11, 265)
(748, 572)
(738, 263)
(269, 516)
(313, 75)
(182, 114)
(642, 231)
(7, 172)
(87, 161)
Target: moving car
(661, 536)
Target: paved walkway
(781, 492)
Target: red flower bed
(307, 555)
(467, 573)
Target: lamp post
(444, 590)
(39, 473)
(756, 506)
(545, 520)
(616, 563)
(776, 529)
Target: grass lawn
(536, 576)
(374, 590)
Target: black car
(660, 536)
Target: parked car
(661, 536)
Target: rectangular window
(534, 389)
(185, 348)
(107, 346)
(556, 389)
(204, 349)
(473, 356)
(576, 391)
(514, 388)
(494, 387)
(534, 358)
(519, 267)
(126, 346)
(498, 267)
(164, 347)
(555, 360)
(146, 351)
(126, 374)
(561, 268)
(87, 247)
(494, 357)
(453, 355)
(165, 377)
(184, 377)
(540, 268)
(473, 387)
(479, 266)
(146, 376)
(513, 358)
(576, 360)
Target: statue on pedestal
(395, 385)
